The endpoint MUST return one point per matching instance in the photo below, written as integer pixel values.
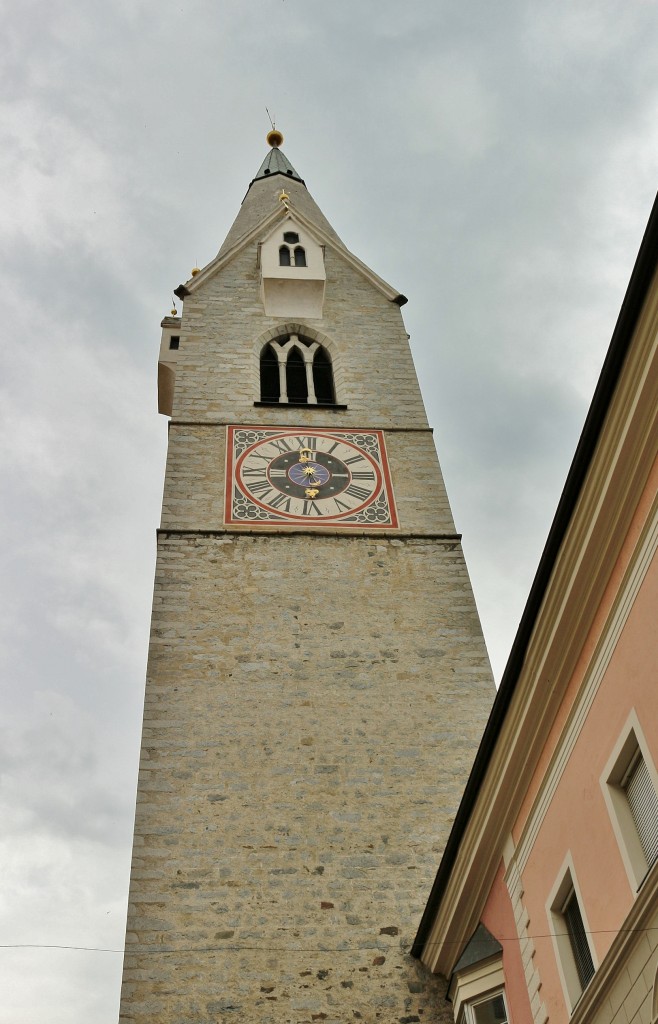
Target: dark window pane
(491, 1011)
(323, 379)
(284, 256)
(578, 939)
(291, 237)
(269, 376)
(174, 341)
(300, 257)
(296, 377)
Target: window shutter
(578, 939)
(643, 802)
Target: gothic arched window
(270, 387)
(294, 369)
(323, 378)
(296, 385)
(296, 258)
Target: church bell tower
(317, 679)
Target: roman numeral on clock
(262, 488)
(357, 492)
(281, 445)
(280, 501)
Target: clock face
(329, 477)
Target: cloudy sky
(496, 162)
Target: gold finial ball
(195, 270)
(274, 138)
(174, 311)
(283, 197)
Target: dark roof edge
(641, 277)
(273, 174)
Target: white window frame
(474, 985)
(307, 353)
(630, 745)
(566, 883)
(468, 1009)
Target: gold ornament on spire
(284, 197)
(274, 138)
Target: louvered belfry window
(578, 939)
(643, 802)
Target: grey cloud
(496, 163)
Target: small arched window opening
(297, 370)
(297, 385)
(291, 237)
(270, 387)
(300, 256)
(323, 378)
(284, 256)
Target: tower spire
(316, 650)
(262, 196)
(276, 162)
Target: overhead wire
(237, 948)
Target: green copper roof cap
(276, 162)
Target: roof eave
(284, 210)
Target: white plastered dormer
(292, 272)
(169, 353)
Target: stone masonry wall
(313, 701)
(194, 485)
(312, 708)
(217, 366)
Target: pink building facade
(545, 905)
